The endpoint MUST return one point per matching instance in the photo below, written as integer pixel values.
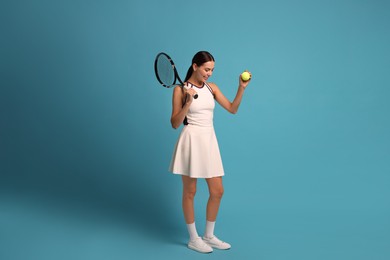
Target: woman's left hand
(243, 83)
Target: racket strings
(165, 71)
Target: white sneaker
(199, 245)
(216, 243)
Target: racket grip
(187, 87)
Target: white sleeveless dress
(196, 153)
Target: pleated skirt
(196, 153)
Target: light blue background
(85, 138)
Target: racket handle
(187, 87)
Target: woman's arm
(179, 111)
(232, 107)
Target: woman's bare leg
(216, 192)
(189, 191)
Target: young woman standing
(196, 154)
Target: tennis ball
(245, 76)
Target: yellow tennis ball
(245, 76)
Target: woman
(196, 154)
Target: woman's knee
(189, 187)
(215, 187)
(189, 193)
(217, 193)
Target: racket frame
(175, 73)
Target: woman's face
(204, 71)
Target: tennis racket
(166, 72)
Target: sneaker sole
(220, 248)
(197, 250)
(216, 246)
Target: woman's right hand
(190, 93)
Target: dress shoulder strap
(209, 88)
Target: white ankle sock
(192, 231)
(209, 232)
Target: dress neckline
(196, 85)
